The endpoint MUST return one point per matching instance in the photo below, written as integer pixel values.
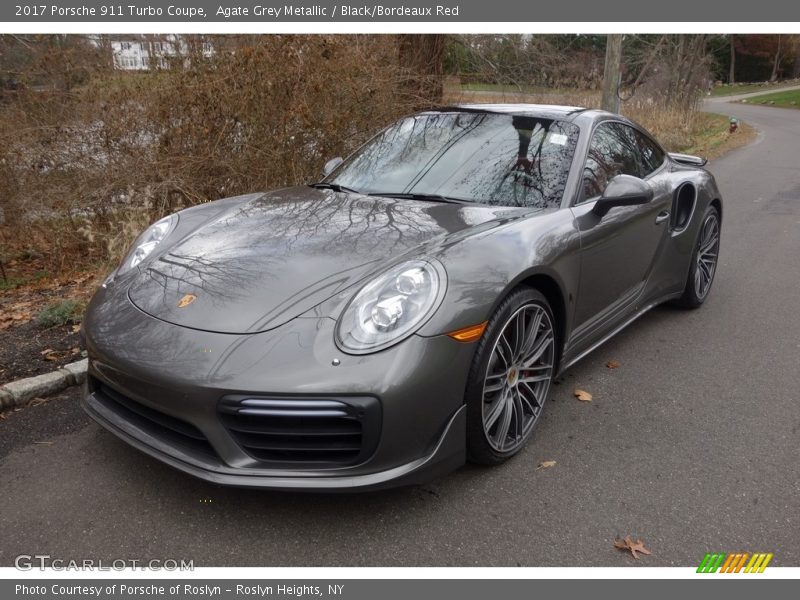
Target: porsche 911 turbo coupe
(405, 314)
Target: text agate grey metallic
(406, 313)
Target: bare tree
(686, 62)
(420, 58)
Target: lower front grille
(307, 431)
(156, 423)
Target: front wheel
(704, 261)
(510, 377)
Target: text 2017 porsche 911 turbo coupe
(406, 313)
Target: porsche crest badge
(186, 300)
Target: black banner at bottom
(383, 589)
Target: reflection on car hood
(273, 258)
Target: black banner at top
(446, 11)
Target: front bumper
(184, 375)
(447, 455)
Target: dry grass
(713, 138)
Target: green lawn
(739, 88)
(789, 99)
(746, 88)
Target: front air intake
(309, 432)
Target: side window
(652, 157)
(612, 151)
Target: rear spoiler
(688, 159)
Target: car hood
(272, 258)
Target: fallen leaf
(76, 351)
(55, 354)
(627, 544)
(16, 312)
(2, 417)
(546, 464)
(37, 402)
(47, 351)
(76, 328)
(612, 364)
(583, 395)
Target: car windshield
(489, 158)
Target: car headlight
(392, 306)
(147, 242)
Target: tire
(705, 258)
(510, 375)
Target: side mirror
(623, 190)
(331, 165)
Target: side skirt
(566, 365)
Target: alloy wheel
(518, 377)
(707, 253)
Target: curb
(18, 393)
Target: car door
(619, 249)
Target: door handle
(662, 216)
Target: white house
(142, 53)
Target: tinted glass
(472, 156)
(613, 151)
(652, 157)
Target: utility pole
(612, 73)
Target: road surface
(691, 444)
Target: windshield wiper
(321, 185)
(423, 197)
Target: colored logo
(186, 300)
(735, 562)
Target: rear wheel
(704, 261)
(510, 377)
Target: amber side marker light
(468, 334)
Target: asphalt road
(691, 444)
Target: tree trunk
(732, 70)
(420, 58)
(612, 73)
(776, 63)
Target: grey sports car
(405, 314)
